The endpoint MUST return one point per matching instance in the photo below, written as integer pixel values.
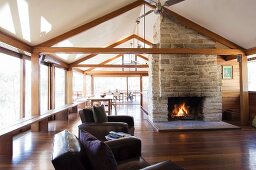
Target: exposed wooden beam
(190, 24)
(142, 56)
(251, 51)
(106, 61)
(73, 50)
(142, 40)
(93, 55)
(92, 24)
(230, 57)
(7, 39)
(117, 73)
(57, 61)
(113, 66)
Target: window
(88, 80)
(9, 89)
(43, 88)
(60, 75)
(109, 84)
(252, 76)
(77, 85)
(27, 88)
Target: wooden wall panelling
(231, 89)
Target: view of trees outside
(9, 89)
(43, 88)
(60, 76)
(27, 88)
(109, 84)
(252, 76)
(77, 85)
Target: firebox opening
(185, 108)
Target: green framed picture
(227, 72)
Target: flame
(180, 110)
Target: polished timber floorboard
(199, 150)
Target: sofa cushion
(99, 154)
(86, 115)
(99, 114)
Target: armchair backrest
(86, 115)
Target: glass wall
(43, 88)
(109, 84)
(60, 77)
(88, 87)
(9, 89)
(252, 76)
(77, 85)
(27, 88)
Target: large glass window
(88, 87)
(109, 84)
(60, 76)
(9, 89)
(43, 88)
(252, 76)
(27, 88)
(77, 85)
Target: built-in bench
(6, 134)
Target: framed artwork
(227, 72)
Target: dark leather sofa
(120, 122)
(69, 154)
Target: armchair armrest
(122, 118)
(100, 130)
(168, 165)
(125, 148)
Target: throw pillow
(99, 154)
(99, 114)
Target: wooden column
(69, 87)
(141, 91)
(51, 88)
(244, 99)
(35, 89)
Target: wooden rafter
(142, 56)
(74, 50)
(113, 65)
(15, 42)
(111, 46)
(190, 24)
(91, 24)
(106, 61)
(230, 57)
(142, 40)
(143, 73)
(251, 51)
(93, 55)
(58, 61)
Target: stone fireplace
(183, 75)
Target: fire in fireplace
(185, 108)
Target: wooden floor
(206, 150)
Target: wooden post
(244, 99)
(69, 87)
(35, 89)
(141, 91)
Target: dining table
(106, 101)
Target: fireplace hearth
(185, 108)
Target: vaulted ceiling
(36, 21)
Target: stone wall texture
(176, 75)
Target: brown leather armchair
(115, 123)
(69, 154)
